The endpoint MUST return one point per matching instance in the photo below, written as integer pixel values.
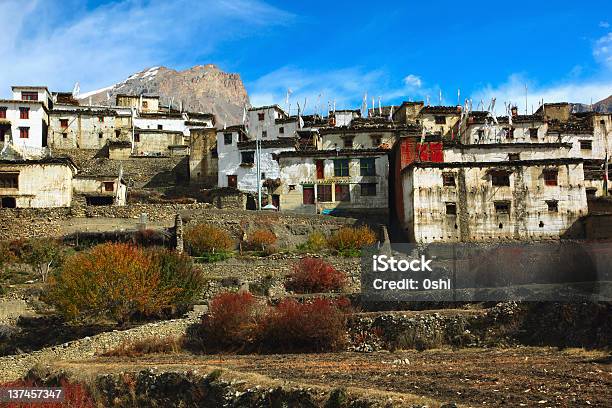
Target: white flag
(391, 114)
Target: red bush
(232, 321)
(76, 395)
(314, 275)
(318, 325)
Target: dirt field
(541, 377)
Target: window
(264, 133)
(109, 186)
(227, 138)
(145, 104)
(117, 133)
(9, 180)
(24, 113)
(368, 189)
(100, 135)
(263, 175)
(324, 193)
(261, 116)
(343, 192)
(232, 180)
(2, 112)
(101, 119)
(509, 132)
(448, 179)
(586, 144)
(29, 96)
(533, 133)
(451, 209)
(24, 132)
(502, 207)
(553, 205)
(376, 141)
(281, 130)
(480, 133)
(160, 127)
(8, 202)
(65, 135)
(367, 166)
(550, 177)
(500, 178)
(591, 192)
(440, 120)
(341, 168)
(348, 142)
(514, 156)
(248, 157)
(64, 123)
(308, 195)
(2, 131)
(291, 187)
(137, 137)
(320, 164)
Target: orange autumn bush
(262, 239)
(111, 281)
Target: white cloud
(604, 24)
(413, 81)
(513, 92)
(104, 45)
(345, 85)
(602, 51)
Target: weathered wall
(361, 139)
(203, 162)
(156, 141)
(40, 185)
(85, 130)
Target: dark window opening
(509, 133)
(263, 175)
(320, 169)
(500, 178)
(232, 181)
(368, 189)
(324, 193)
(448, 179)
(227, 139)
(348, 142)
(29, 96)
(533, 133)
(2, 135)
(480, 133)
(440, 120)
(341, 168)
(65, 135)
(376, 141)
(502, 207)
(261, 116)
(248, 157)
(2, 112)
(145, 104)
(24, 113)
(591, 192)
(367, 166)
(514, 156)
(550, 177)
(137, 137)
(586, 145)
(553, 205)
(264, 133)
(291, 187)
(100, 135)
(101, 200)
(64, 123)
(117, 133)
(8, 202)
(343, 192)
(281, 130)
(109, 186)
(9, 180)
(160, 127)
(100, 119)
(451, 209)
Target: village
(433, 173)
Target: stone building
(203, 157)
(142, 103)
(36, 183)
(349, 181)
(106, 187)
(466, 201)
(25, 119)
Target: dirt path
(540, 377)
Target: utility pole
(258, 154)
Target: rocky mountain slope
(603, 106)
(203, 88)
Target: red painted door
(308, 195)
(232, 181)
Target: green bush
(42, 255)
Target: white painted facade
(101, 186)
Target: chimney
(514, 111)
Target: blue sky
(396, 50)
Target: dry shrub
(262, 239)
(111, 281)
(7, 256)
(232, 322)
(314, 275)
(316, 241)
(76, 395)
(318, 325)
(205, 239)
(153, 345)
(350, 240)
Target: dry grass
(153, 345)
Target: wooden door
(232, 181)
